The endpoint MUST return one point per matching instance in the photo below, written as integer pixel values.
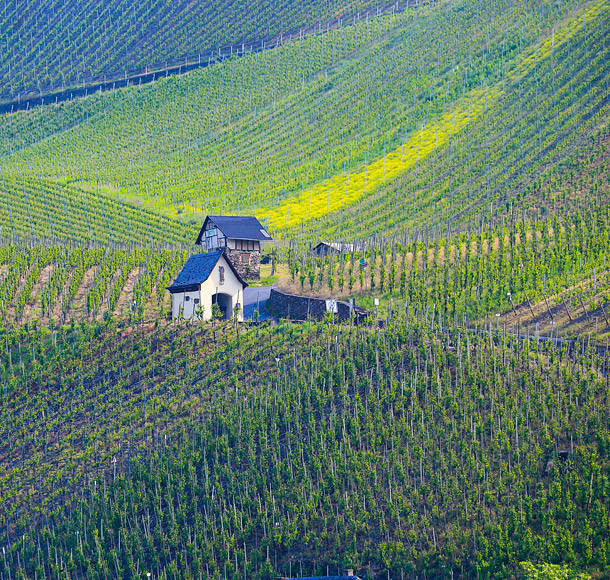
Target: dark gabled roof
(337, 246)
(197, 270)
(236, 227)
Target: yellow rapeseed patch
(344, 190)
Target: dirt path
(593, 318)
(122, 305)
(77, 309)
(103, 308)
(31, 310)
(3, 271)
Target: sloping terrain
(461, 429)
(60, 43)
(206, 451)
(402, 121)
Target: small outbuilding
(205, 281)
(329, 248)
(240, 237)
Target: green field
(461, 431)
(55, 44)
(379, 120)
(55, 211)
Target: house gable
(206, 280)
(231, 228)
(199, 268)
(223, 277)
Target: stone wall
(302, 307)
(251, 271)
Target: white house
(206, 280)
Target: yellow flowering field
(343, 190)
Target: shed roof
(197, 270)
(337, 246)
(236, 227)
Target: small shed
(329, 248)
(206, 280)
(240, 237)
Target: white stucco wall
(231, 286)
(180, 299)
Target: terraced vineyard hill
(448, 114)
(231, 452)
(443, 439)
(59, 43)
(459, 429)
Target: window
(187, 299)
(196, 300)
(245, 258)
(248, 245)
(221, 273)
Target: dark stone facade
(250, 271)
(302, 307)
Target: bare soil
(78, 306)
(123, 305)
(32, 308)
(572, 311)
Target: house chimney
(348, 572)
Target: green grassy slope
(59, 43)
(296, 448)
(541, 134)
(45, 209)
(404, 122)
(395, 451)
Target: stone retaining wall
(303, 307)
